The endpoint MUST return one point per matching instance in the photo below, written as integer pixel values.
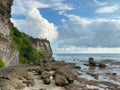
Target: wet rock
(47, 81)
(108, 73)
(45, 74)
(86, 64)
(101, 65)
(77, 67)
(110, 85)
(92, 62)
(60, 80)
(111, 73)
(95, 76)
(115, 63)
(72, 87)
(114, 74)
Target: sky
(72, 26)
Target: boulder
(45, 74)
(47, 81)
(48, 66)
(92, 62)
(71, 75)
(60, 70)
(101, 65)
(60, 80)
(77, 67)
(114, 74)
(86, 64)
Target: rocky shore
(57, 75)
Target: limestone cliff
(7, 54)
(43, 46)
(10, 48)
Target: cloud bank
(94, 33)
(107, 9)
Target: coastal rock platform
(54, 75)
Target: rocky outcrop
(93, 63)
(8, 54)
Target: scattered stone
(60, 80)
(101, 65)
(111, 73)
(45, 74)
(92, 62)
(77, 67)
(114, 74)
(108, 73)
(47, 81)
(71, 75)
(115, 63)
(95, 76)
(86, 64)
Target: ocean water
(79, 56)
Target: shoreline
(46, 73)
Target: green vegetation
(27, 53)
(1, 63)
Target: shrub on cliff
(1, 63)
(27, 53)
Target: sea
(85, 56)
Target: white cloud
(107, 9)
(58, 5)
(20, 6)
(95, 33)
(34, 24)
(99, 3)
(83, 35)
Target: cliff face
(7, 54)
(43, 46)
(9, 48)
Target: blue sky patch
(52, 16)
(16, 16)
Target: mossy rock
(1, 63)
